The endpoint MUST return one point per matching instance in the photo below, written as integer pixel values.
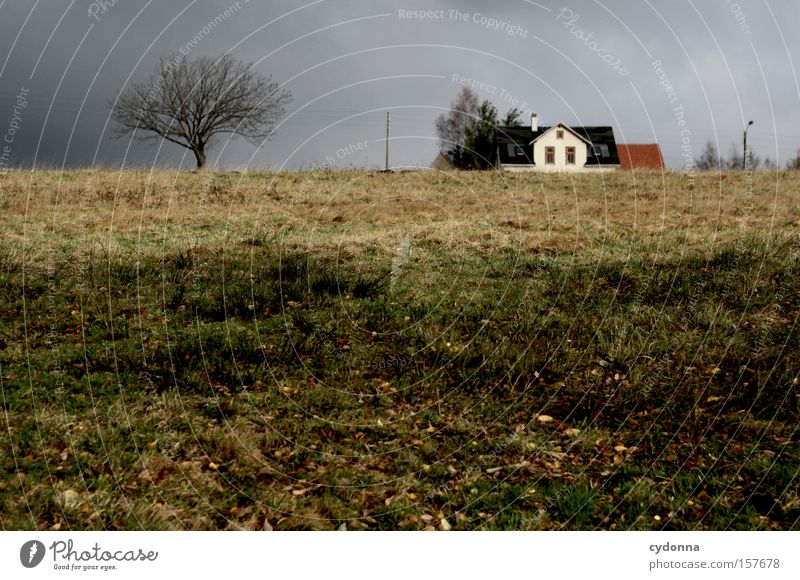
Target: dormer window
(515, 150)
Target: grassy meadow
(407, 351)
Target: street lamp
(744, 159)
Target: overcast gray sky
(677, 72)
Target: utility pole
(744, 159)
(387, 140)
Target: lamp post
(744, 159)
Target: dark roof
(517, 137)
(640, 156)
(601, 137)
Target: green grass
(256, 385)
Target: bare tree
(190, 102)
(452, 127)
(794, 163)
(709, 159)
(735, 158)
(753, 161)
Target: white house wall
(550, 139)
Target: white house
(559, 148)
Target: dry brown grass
(144, 212)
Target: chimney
(534, 123)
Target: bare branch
(190, 102)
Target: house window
(515, 150)
(596, 151)
(559, 134)
(550, 155)
(570, 155)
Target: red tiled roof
(640, 157)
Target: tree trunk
(200, 155)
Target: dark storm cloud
(678, 72)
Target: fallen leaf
(444, 525)
(71, 499)
(571, 432)
(544, 419)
